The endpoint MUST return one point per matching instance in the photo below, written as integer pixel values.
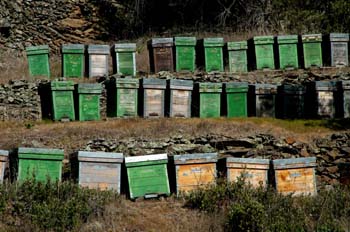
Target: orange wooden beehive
(254, 171)
(194, 170)
(295, 176)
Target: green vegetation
(37, 206)
(249, 209)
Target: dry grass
(153, 215)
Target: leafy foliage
(259, 209)
(49, 206)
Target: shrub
(50, 205)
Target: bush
(50, 206)
(258, 209)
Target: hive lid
(62, 85)
(247, 160)
(312, 38)
(162, 41)
(190, 41)
(263, 39)
(98, 49)
(238, 45)
(180, 84)
(40, 153)
(36, 48)
(125, 47)
(210, 87)
(105, 155)
(213, 42)
(236, 86)
(145, 158)
(265, 88)
(73, 48)
(339, 37)
(89, 88)
(326, 85)
(287, 39)
(289, 88)
(127, 82)
(294, 163)
(196, 158)
(154, 83)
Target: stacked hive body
(101, 170)
(213, 54)
(237, 56)
(288, 51)
(161, 54)
(194, 170)
(209, 99)
(252, 171)
(185, 53)
(124, 97)
(345, 98)
(73, 60)
(40, 164)
(293, 101)
(147, 176)
(89, 101)
(312, 50)
(153, 97)
(180, 96)
(339, 49)
(3, 160)
(295, 176)
(125, 59)
(264, 53)
(263, 100)
(98, 60)
(236, 98)
(62, 100)
(38, 60)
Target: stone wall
(54, 22)
(329, 151)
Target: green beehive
(236, 97)
(312, 50)
(40, 163)
(185, 53)
(147, 176)
(209, 99)
(62, 100)
(125, 59)
(73, 60)
(38, 60)
(124, 99)
(264, 52)
(89, 101)
(237, 56)
(288, 51)
(213, 54)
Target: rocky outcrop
(19, 100)
(55, 22)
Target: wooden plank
(297, 181)
(256, 177)
(248, 166)
(191, 176)
(2, 170)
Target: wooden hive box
(3, 161)
(295, 176)
(99, 170)
(161, 54)
(40, 163)
(147, 176)
(255, 171)
(194, 170)
(179, 98)
(153, 97)
(98, 60)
